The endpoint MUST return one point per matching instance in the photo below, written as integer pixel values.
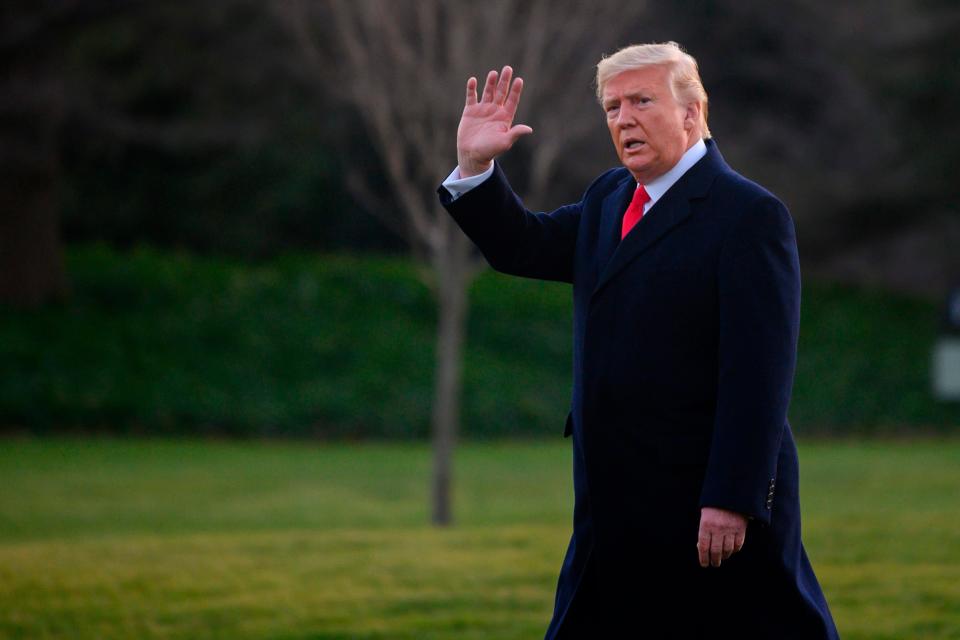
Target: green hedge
(342, 346)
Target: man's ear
(691, 118)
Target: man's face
(651, 130)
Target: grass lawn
(196, 539)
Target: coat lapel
(611, 216)
(668, 213)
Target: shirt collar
(661, 184)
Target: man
(686, 291)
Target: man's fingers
(471, 91)
(703, 548)
(716, 550)
(728, 546)
(497, 89)
(513, 98)
(504, 85)
(726, 531)
(738, 541)
(489, 87)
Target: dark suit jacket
(685, 340)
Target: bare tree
(403, 66)
(31, 112)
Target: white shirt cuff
(458, 186)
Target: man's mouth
(632, 145)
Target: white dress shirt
(458, 186)
(660, 185)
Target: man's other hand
(722, 534)
(486, 126)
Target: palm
(486, 126)
(484, 129)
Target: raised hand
(486, 127)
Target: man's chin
(636, 166)
(639, 173)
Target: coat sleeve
(512, 239)
(759, 310)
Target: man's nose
(625, 117)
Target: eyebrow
(632, 94)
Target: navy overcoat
(685, 338)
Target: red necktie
(634, 211)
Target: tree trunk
(31, 255)
(452, 270)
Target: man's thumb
(519, 130)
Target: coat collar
(671, 210)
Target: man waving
(686, 288)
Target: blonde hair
(684, 73)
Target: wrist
(469, 168)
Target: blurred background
(223, 218)
(219, 234)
